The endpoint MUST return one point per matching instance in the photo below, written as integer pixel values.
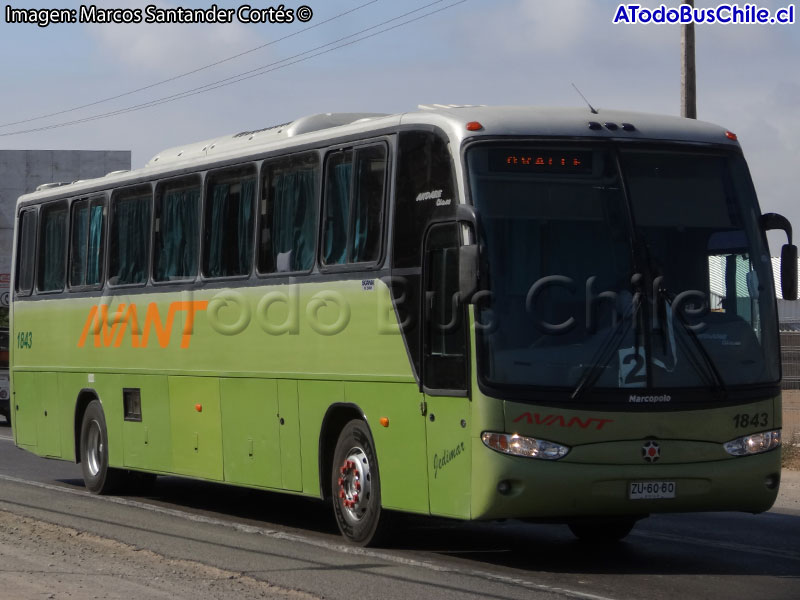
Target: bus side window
(87, 242)
(176, 235)
(52, 248)
(354, 199)
(228, 229)
(129, 241)
(288, 215)
(26, 251)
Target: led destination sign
(526, 161)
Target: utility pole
(688, 74)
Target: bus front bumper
(529, 488)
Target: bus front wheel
(98, 477)
(355, 486)
(600, 531)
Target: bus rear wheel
(608, 530)
(98, 477)
(355, 486)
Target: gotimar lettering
(559, 420)
(440, 463)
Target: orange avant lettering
(559, 420)
(110, 332)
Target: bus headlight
(518, 445)
(755, 443)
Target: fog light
(755, 443)
(519, 445)
(772, 481)
(504, 487)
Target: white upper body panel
(525, 121)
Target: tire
(356, 488)
(98, 477)
(602, 531)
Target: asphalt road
(292, 542)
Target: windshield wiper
(711, 373)
(606, 351)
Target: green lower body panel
(195, 426)
(250, 431)
(37, 423)
(147, 442)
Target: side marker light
(474, 126)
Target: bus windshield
(615, 268)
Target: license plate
(650, 490)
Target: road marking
(669, 537)
(6, 438)
(297, 538)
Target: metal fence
(790, 358)
(791, 417)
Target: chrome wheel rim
(94, 448)
(355, 484)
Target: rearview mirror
(789, 272)
(771, 221)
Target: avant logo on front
(561, 421)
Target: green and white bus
(469, 312)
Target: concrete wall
(21, 171)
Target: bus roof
(531, 121)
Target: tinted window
(354, 192)
(424, 192)
(287, 231)
(228, 234)
(177, 230)
(26, 251)
(52, 248)
(86, 245)
(130, 237)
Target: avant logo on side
(559, 420)
(110, 332)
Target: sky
(496, 52)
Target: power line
(187, 73)
(292, 60)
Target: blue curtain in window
(361, 208)
(244, 231)
(216, 235)
(230, 238)
(95, 253)
(177, 258)
(293, 217)
(55, 237)
(337, 206)
(132, 218)
(77, 273)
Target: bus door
(444, 375)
